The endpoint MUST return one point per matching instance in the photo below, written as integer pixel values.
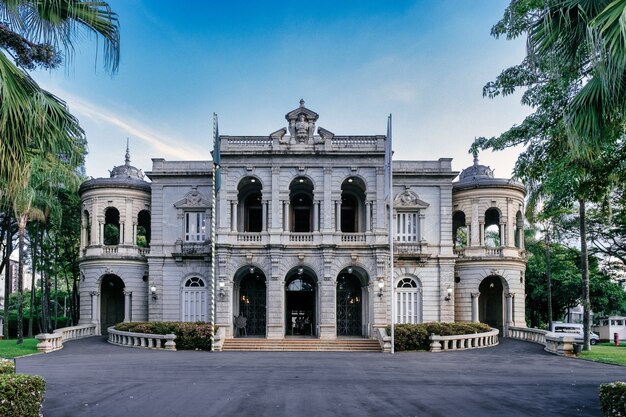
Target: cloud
(168, 146)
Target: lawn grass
(607, 353)
(8, 348)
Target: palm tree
(36, 34)
(48, 173)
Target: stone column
(286, 210)
(420, 232)
(474, 238)
(316, 216)
(481, 231)
(95, 313)
(504, 236)
(127, 305)
(475, 317)
(264, 215)
(338, 215)
(509, 297)
(368, 216)
(134, 237)
(233, 216)
(101, 234)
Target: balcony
(489, 252)
(191, 250)
(114, 251)
(413, 250)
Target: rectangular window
(195, 226)
(407, 227)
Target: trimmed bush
(21, 395)
(7, 366)
(189, 336)
(416, 336)
(613, 399)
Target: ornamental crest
(408, 199)
(193, 199)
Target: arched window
(143, 229)
(353, 205)
(459, 230)
(408, 301)
(493, 235)
(111, 226)
(519, 230)
(301, 200)
(194, 303)
(250, 199)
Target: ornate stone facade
(301, 239)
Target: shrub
(21, 395)
(416, 336)
(7, 366)
(613, 399)
(189, 336)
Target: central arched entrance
(252, 306)
(490, 302)
(111, 302)
(349, 304)
(300, 297)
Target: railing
(383, 339)
(251, 141)
(144, 251)
(141, 340)
(353, 237)
(218, 339)
(460, 252)
(300, 237)
(559, 345)
(195, 248)
(493, 251)
(408, 248)
(529, 335)
(109, 250)
(347, 141)
(248, 237)
(464, 341)
(49, 342)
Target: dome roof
(476, 172)
(122, 176)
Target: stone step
(299, 345)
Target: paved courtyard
(92, 378)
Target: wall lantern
(448, 296)
(153, 293)
(381, 285)
(222, 292)
(300, 271)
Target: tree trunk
(584, 268)
(8, 276)
(33, 310)
(20, 280)
(547, 231)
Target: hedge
(189, 336)
(613, 399)
(7, 366)
(21, 395)
(416, 336)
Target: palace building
(301, 239)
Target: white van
(575, 330)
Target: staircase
(302, 345)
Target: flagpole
(213, 232)
(389, 186)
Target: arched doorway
(252, 305)
(111, 302)
(349, 304)
(300, 298)
(490, 309)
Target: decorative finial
(127, 158)
(301, 102)
(475, 153)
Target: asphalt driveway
(89, 377)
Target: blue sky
(353, 62)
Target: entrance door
(300, 295)
(490, 302)
(111, 302)
(349, 302)
(252, 306)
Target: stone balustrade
(218, 339)
(557, 344)
(527, 334)
(383, 339)
(464, 341)
(49, 342)
(141, 340)
(249, 237)
(353, 237)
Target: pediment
(409, 200)
(309, 114)
(193, 199)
